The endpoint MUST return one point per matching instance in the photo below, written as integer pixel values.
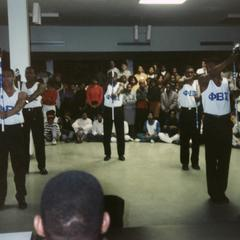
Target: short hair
(72, 207)
(50, 112)
(9, 70)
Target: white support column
(19, 43)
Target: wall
(105, 39)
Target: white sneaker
(136, 140)
(152, 141)
(54, 142)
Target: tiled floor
(157, 192)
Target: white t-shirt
(97, 128)
(36, 102)
(108, 101)
(216, 100)
(9, 104)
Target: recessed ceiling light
(161, 1)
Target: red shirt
(49, 97)
(94, 94)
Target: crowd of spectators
(150, 103)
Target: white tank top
(37, 101)
(108, 101)
(9, 104)
(216, 100)
(152, 128)
(186, 96)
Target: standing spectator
(151, 130)
(129, 107)
(203, 70)
(141, 107)
(151, 76)
(176, 74)
(134, 83)
(94, 98)
(79, 101)
(113, 68)
(33, 120)
(168, 102)
(125, 71)
(82, 127)
(154, 97)
(52, 131)
(49, 98)
(141, 76)
(66, 98)
(166, 75)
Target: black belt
(226, 116)
(13, 126)
(188, 109)
(32, 109)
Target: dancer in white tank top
(11, 138)
(217, 128)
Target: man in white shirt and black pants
(217, 128)
(11, 138)
(33, 120)
(189, 121)
(113, 113)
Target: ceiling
(129, 12)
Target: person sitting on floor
(82, 126)
(151, 130)
(52, 131)
(72, 207)
(236, 133)
(170, 129)
(97, 133)
(127, 138)
(67, 132)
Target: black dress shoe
(121, 158)
(107, 158)
(185, 167)
(43, 171)
(220, 199)
(196, 167)
(22, 204)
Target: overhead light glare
(161, 1)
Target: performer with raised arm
(113, 113)
(33, 120)
(11, 138)
(217, 127)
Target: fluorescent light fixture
(161, 1)
(48, 15)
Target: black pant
(119, 125)
(141, 117)
(11, 142)
(218, 142)
(33, 120)
(189, 129)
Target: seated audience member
(49, 98)
(72, 207)
(169, 133)
(67, 132)
(82, 126)
(94, 98)
(127, 138)
(151, 130)
(236, 133)
(97, 133)
(52, 131)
